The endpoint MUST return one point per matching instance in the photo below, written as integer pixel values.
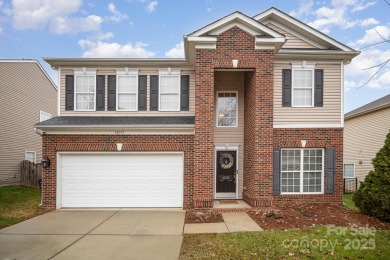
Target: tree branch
(374, 74)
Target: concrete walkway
(95, 234)
(233, 222)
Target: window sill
(302, 193)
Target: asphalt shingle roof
(374, 105)
(118, 120)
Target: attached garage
(120, 180)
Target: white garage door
(121, 180)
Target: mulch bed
(308, 215)
(196, 216)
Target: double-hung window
(127, 93)
(169, 90)
(302, 171)
(303, 86)
(349, 170)
(227, 109)
(85, 89)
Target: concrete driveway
(96, 234)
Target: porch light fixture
(119, 147)
(45, 162)
(303, 143)
(235, 63)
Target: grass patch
(18, 203)
(347, 200)
(310, 243)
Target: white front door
(120, 180)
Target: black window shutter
(69, 92)
(185, 93)
(154, 93)
(142, 92)
(330, 167)
(286, 88)
(276, 181)
(100, 80)
(111, 93)
(318, 88)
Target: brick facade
(107, 143)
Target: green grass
(288, 245)
(347, 200)
(18, 203)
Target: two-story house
(254, 111)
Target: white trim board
(309, 126)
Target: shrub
(373, 195)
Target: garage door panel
(125, 180)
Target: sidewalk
(233, 222)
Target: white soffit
(279, 15)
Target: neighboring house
(254, 111)
(28, 95)
(365, 133)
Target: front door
(226, 169)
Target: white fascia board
(212, 46)
(230, 25)
(265, 47)
(201, 39)
(309, 29)
(236, 16)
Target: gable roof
(370, 107)
(31, 61)
(301, 27)
(238, 19)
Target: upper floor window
(349, 170)
(227, 109)
(169, 90)
(44, 116)
(302, 87)
(85, 92)
(302, 170)
(127, 93)
(30, 156)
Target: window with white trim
(30, 156)
(227, 109)
(349, 170)
(302, 170)
(85, 92)
(303, 87)
(44, 116)
(127, 93)
(169, 93)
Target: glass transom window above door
(226, 109)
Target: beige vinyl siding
(293, 42)
(25, 91)
(330, 113)
(148, 72)
(232, 81)
(363, 137)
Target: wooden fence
(30, 174)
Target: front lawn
(309, 243)
(18, 203)
(347, 200)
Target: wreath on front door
(226, 161)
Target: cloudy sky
(32, 29)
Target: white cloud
(361, 7)
(305, 7)
(210, 9)
(369, 21)
(372, 36)
(116, 15)
(176, 52)
(102, 49)
(151, 6)
(104, 36)
(357, 71)
(56, 15)
(62, 25)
